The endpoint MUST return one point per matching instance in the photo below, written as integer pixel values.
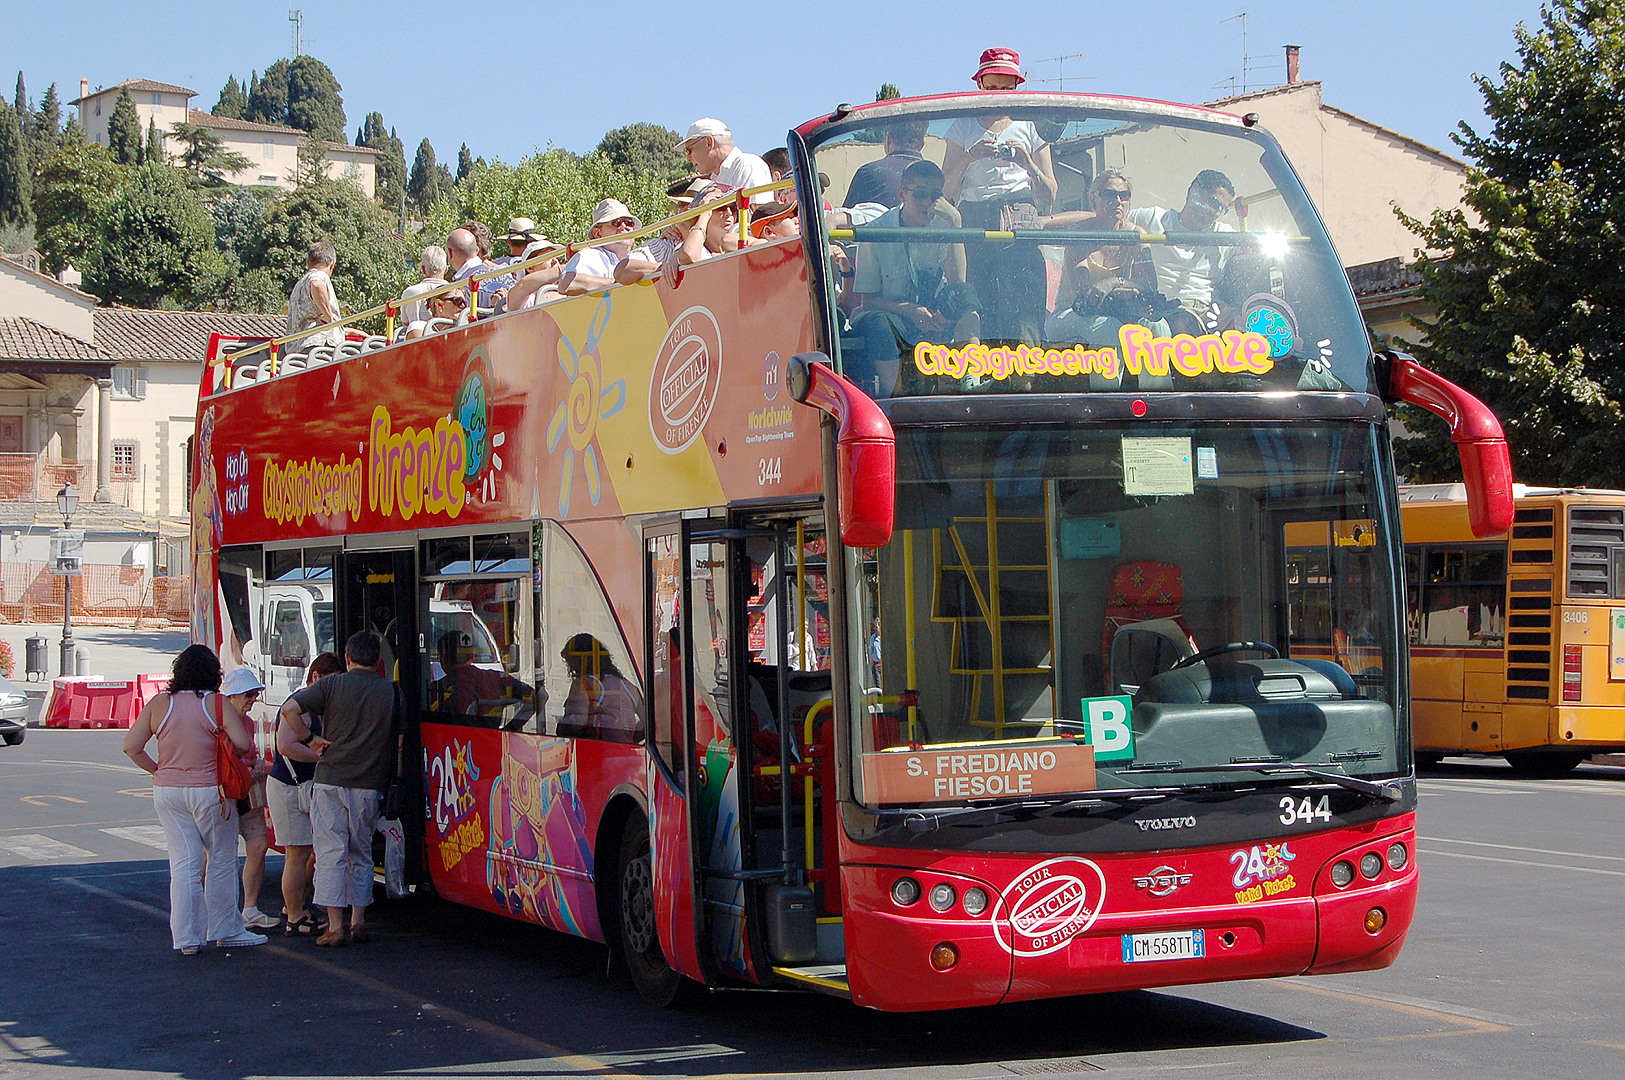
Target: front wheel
(1544, 764)
(654, 979)
(14, 738)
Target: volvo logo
(1162, 881)
(1157, 824)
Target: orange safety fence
(30, 593)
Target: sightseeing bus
(1517, 640)
(928, 665)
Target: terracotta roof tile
(228, 123)
(137, 86)
(144, 334)
(25, 339)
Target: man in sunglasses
(1187, 273)
(912, 292)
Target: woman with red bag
(198, 822)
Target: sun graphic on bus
(586, 402)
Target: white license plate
(1174, 945)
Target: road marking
(554, 1056)
(39, 800)
(94, 765)
(40, 848)
(138, 792)
(1522, 862)
(1470, 1025)
(1513, 847)
(150, 835)
(78, 825)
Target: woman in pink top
(202, 829)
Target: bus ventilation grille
(1596, 552)
(1529, 616)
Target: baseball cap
(240, 681)
(704, 127)
(758, 225)
(610, 209)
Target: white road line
(150, 835)
(1522, 862)
(94, 765)
(39, 848)
(1513, 847)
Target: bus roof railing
(740, 198)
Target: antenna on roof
(1249, 64)
(297, 17)
(1060, 72)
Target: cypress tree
(16, 177)
(465, 163)
(46, 131)
(423, 187)
(124, 130)
(154, 151)
(233, 103)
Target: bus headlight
(1342, 873)
(904, 891)
(1397, 856)
(1371, 864)
(943, 896)
(975, 901)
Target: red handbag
(235, 779)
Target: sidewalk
(114, 652)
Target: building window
(157, 99)
(124, 459)
(270, 148)
(130, 383)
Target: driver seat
(1144, 597)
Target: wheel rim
(637, 905)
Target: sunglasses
(926, 194)
(1113, 193)
(1209, 200)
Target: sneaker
(242, 940)
(255, 919)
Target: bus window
(590, 688)
(666, 665)
(1463, 597)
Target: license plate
(1174, 945)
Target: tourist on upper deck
(998, 171)
(911, 292)
(776, 223)
(1102, 285)
(1187, 274)
(592, 269)
(709, 146)
(778, 167)
(876, 181)
(451, 306)
(714, 232)
(313, 303)
(432, 264)
(541, 282)
(463, 255)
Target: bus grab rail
(865, 449)
(1486, 460)
(390, 308)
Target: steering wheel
(1219, 650)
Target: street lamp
(67, 501)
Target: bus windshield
(1180, 597)
(1077, 246)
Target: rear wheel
(1544, 764)
(654, 979)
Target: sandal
(359, 935)
(333, 939)
(302, 927)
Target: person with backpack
(189, 794)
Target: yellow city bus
(1517, 642)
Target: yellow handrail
(472, 281)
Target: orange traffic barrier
(87, 702)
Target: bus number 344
(1294, 811)
(769, 471)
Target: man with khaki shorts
(356, 748)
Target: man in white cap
(709, 146)
(243, 688)
(592, 269)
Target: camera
(1007, 152)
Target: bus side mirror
(1486, 462)
(865, 449)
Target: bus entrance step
(829, 978)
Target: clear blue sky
(507, 77)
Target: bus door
(377, 594)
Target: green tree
(233, 103)
(124, 130)
(71, 194)
(16, 171)
(268, 96)
(888, 92)
(554, 188)
(1527, 286)
(46, 130)
(238, 214)
(465, 163)
(645, 148)
(204, 154)
(21, 103)
(157, 245)
(314, 102)
(154, 150)
(427, 184)
(312, 164)
(391, 160)
(73, 132)
(373, 264)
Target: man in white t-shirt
(432, 263)
(592, 269)
(1187, 274)
(709, 146)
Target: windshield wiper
(1387, 791)
(921, 819)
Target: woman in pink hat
(998, 171)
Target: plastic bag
(395, 886)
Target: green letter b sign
(1106, 727)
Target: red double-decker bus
(903, 610)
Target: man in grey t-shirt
(357, 748)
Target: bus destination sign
(991, 770)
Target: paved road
(1511, 971)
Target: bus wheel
(654, 979)
(1544, 764)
